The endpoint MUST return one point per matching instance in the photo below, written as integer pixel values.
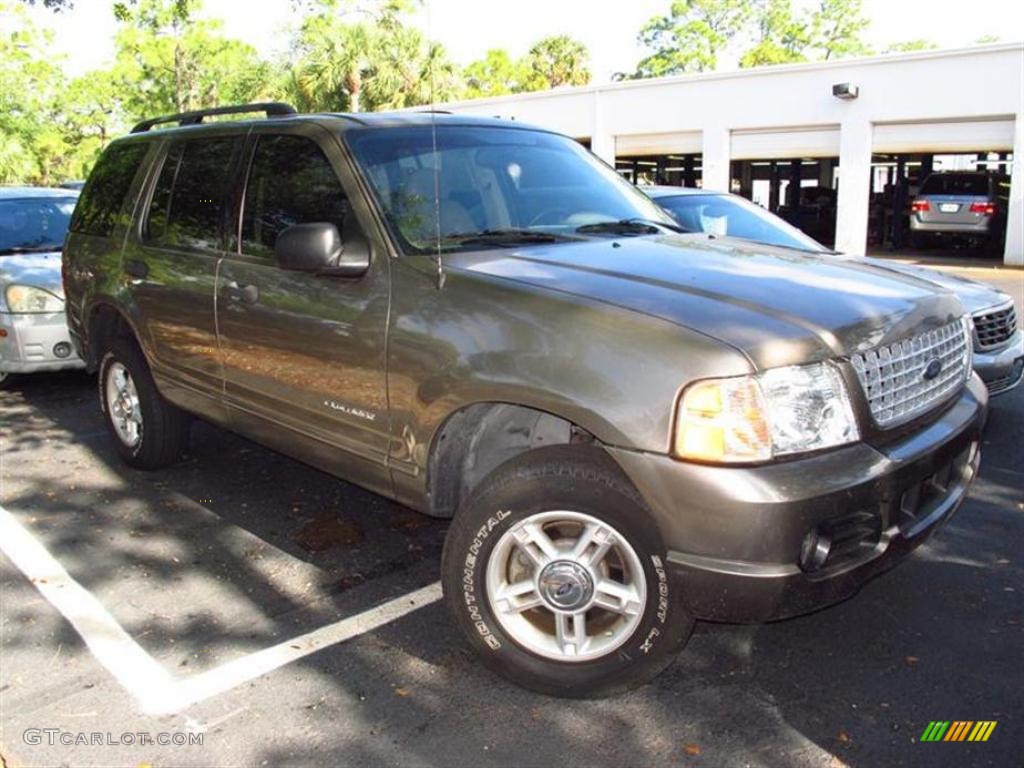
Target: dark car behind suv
(631, 427)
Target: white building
(908, 106)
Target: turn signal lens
(723, 420)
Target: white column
(603, 145)
(855, 137)
(1014, 251)
(602, 142)
(717, 146)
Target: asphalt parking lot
(286, 618)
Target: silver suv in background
(960, 204)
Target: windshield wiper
(502, 237)
(29, 249)
(634, 226)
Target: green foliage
(907, 46)
(836, 28)
(695, 33)
(551, 62)
(556, 61)
(690, 37)
(782, 37)
(496, 74)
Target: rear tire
(148, 431)
(557, 575)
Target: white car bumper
(38, 342)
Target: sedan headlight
(756, 418)
(26, 299)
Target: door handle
(247, 294)
(136, 268)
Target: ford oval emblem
(933, 369)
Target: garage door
(776, 143)
(677, 143)
(946, 137)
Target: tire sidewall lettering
(469, 589)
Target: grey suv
(963, 204)
(631, 428)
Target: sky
(468, 28)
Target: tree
(375, 62)
(555, 61)
(987, 39)
(782, 37)
(29, 83)
(496, 74)
(836, 27)
(907, 46)
(690, 37)
(169, 60)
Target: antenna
(437, 159)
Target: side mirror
(317, 247)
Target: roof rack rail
(353, 116)
(436, 111)
(269, 108)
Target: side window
(103, 196)
(290, 182)
(189, 198)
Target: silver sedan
(33, 327)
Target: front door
(303, 354)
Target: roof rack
(269, 108)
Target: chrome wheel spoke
(536, 544)
(617, 597)
(571, 632)
(518, 597)
(593, 544)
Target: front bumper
(27, 343)
(1003, 369)
(742, 539)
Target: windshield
(494, 187)
(34, 224)
(731, 216)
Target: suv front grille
(993, 328)
(902, 380)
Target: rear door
(303, 354)
(171, 264)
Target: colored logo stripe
(958, 730)
(982, 730)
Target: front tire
(556, 574)
(148, 431)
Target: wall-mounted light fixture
(845, 91)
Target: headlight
(29, 299)
(756, 418)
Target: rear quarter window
(99, 205)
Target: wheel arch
(477, 438)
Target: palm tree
(558, 60)
(339, 58)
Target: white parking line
(155, 690)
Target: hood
(38, 269)
(973, 295)
(778, 306)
